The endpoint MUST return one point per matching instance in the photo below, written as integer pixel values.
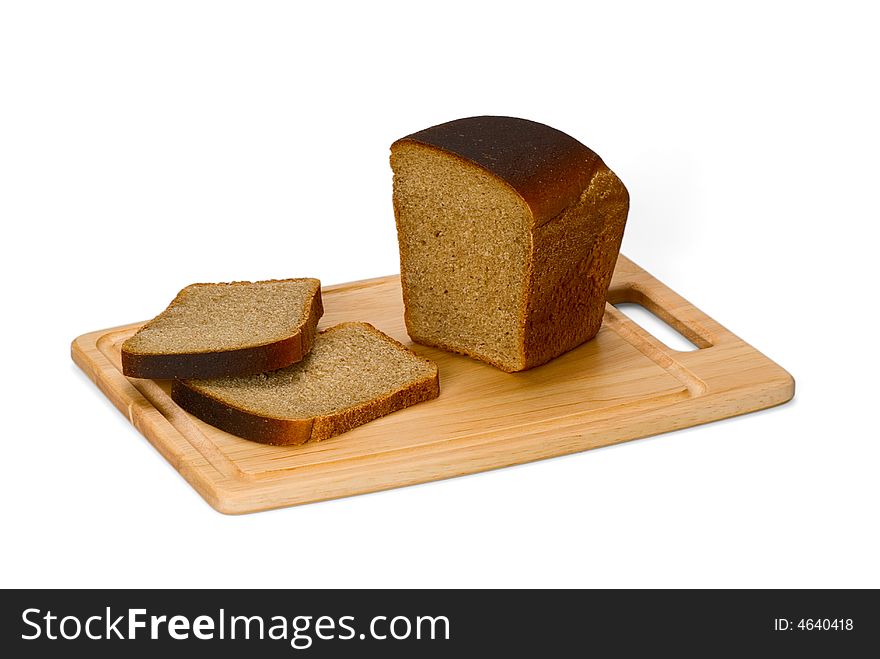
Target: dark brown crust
(242, 361)
(546, 167)
(265, 430)
(278, 431)
(573, 259)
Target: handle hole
(656, 327)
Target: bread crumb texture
(464, 244)
(350, 365)
(215, 317)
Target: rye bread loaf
(509, 232)
(239, 328)
(353, 374)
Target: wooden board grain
(622, 385)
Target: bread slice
(353, 374)
(509, 231)
(241, 328)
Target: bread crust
(579, 209)
(573, 259)
(247, 360)
(546, 167)
(279, 431)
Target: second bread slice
(353, 374)
(214, 330)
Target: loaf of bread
(353, 374)
(241, 328)
(509, 232)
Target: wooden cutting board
(622, 385)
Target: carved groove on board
(110, 346)
(653, 349)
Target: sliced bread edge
(283, 431)
(248, 360)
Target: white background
(144, 146)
